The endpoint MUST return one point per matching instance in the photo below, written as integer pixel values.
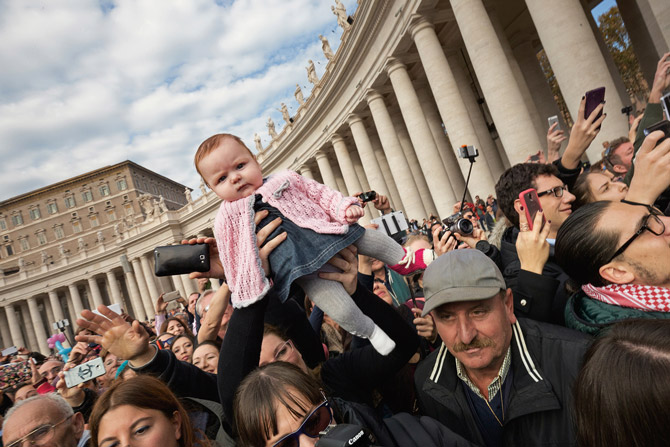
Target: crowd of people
(309, 327)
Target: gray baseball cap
(460, 275)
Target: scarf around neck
(636, 296)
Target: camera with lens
(368, 196)
(456, 223)
(346, 435)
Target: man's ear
(78, 425)
(517, 206)
(617, 273)
(619, 169)
(509, 306)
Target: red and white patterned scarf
(646, 298)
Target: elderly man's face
(647, 258)
(50, 369)
(41, 414)
(477, 333)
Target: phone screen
(593, 99)
(531, 204)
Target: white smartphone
(84, 372)
(554, 120)
(171, 296)
(10, 351)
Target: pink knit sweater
(305, 202)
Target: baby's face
(231, 171)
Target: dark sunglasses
(315, 422)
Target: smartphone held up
(531, 205)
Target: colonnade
(486, 90)
(29, 322)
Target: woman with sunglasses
(280, 405)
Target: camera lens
(464, 226)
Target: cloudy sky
(86, 84)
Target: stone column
(306, 171)
(447, 94)
(38, 325)
(4, 331)
(339, 179)
(50, 316)
(29, 327)
(411, 200)
(71, 314)
(444, 148)
(56, 307)
(178, 285)
(189, 285)
(135, 298)
(76, 300)
(488, 149)
(643, 43)
(326, 170)
(347, 168)
(526, 56)
(571, 47)
(394, 196)
(14, 326)
(422, 139)
(502, 93)
(114, 289)
(96, 297)
(661, 11)
(368, 160)
(413, 164)
(149, 276)
(145, 298)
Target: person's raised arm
(210, 325)
(582, 134)
(661, 80)
(652, 170)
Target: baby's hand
(353, 213)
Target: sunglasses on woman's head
(315, 422)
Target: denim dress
(303, 252)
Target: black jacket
(545, 363)
(401, 430)
(540, 297)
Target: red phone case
(531, 205)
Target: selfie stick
(472, 160)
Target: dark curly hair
(516, 179)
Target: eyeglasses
(557, 191)
(316, 422)
(651, 223)
(284, 351)
(42, 435)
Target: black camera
(456, 223)
(346, 435)
(368, 196)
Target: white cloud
(84, 86)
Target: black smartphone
(181, 259)
(663, 126)
(593, 99)
(665, 102)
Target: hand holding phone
(593, 99)
(531, 205)
(84, 372)
(181, 259)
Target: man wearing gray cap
(496, 380)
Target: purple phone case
(593, 98)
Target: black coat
(545, 362)
(540, 297)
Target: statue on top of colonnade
(311, 73)
(271, 128)
(298, 95)
(325, 46)
(285, 114)
(341, 12)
